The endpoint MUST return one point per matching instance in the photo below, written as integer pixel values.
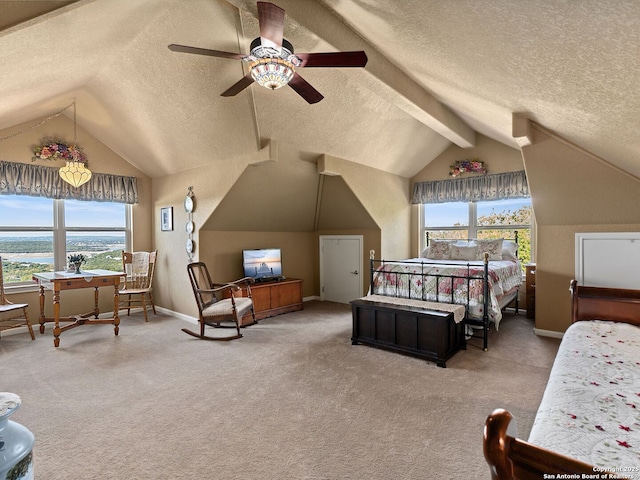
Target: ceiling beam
(387, 80)
(521, 129)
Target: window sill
(21, 288)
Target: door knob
(355, 272)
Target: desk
(58, 281)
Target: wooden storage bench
(429, 334)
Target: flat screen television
(262, 263)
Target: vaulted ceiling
(439, 72)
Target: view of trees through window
(31, 227)
(497, 219)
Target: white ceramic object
(16, 442)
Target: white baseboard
(548, 333)
(181, 316)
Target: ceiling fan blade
(304, 89)
(204, 51)
(237, 87)
(271, 20)
(333, 59)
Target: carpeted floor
(293, 399)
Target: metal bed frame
(376, 265)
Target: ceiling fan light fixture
(272, 73)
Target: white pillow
(493, 247)
(439, 249)
(464, 252)
(510, 251)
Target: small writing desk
(58, 281)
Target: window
(492, 219)
(37, 234)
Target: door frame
(360, 239)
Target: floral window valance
(472, 189)
(42, 181)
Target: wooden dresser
(273, 298)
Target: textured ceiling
(438, 72)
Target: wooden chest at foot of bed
(428, 334)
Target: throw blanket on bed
(422, 280)
(457, 310)
(591, 406)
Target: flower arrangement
(461, 166)
(57, 150)
(75, 261)
(77, 258)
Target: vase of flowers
(76, 260)
(16, 442)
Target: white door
(340, 268)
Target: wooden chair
(213, 309)
(139, 268)
(12, 315)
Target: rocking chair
(215, 311)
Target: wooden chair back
(137, 279)
(3, 298)
(202, 285)
(12, 315)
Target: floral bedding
(415, 278)
(591, 406)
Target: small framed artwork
(166, 218)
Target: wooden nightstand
(530, 289)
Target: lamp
(75, 171)
(272, 73)
(272, 66)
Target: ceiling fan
(271, 60)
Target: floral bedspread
(415, 278)
(591, 406)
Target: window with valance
(43, 181)
(472, 189)
(44, 220)
(483, 206)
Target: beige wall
(498, 157)
(19, 148)
(572, 192)
(384, 196)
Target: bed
(483, 275)
(588, 422)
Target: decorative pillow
(493, 247)
(510, 251)
(464, 252)
(439, 249)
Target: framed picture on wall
(166, 218)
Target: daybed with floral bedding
(588, 422)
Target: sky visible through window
(27, 232)
(25, 211)
(449, 214)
